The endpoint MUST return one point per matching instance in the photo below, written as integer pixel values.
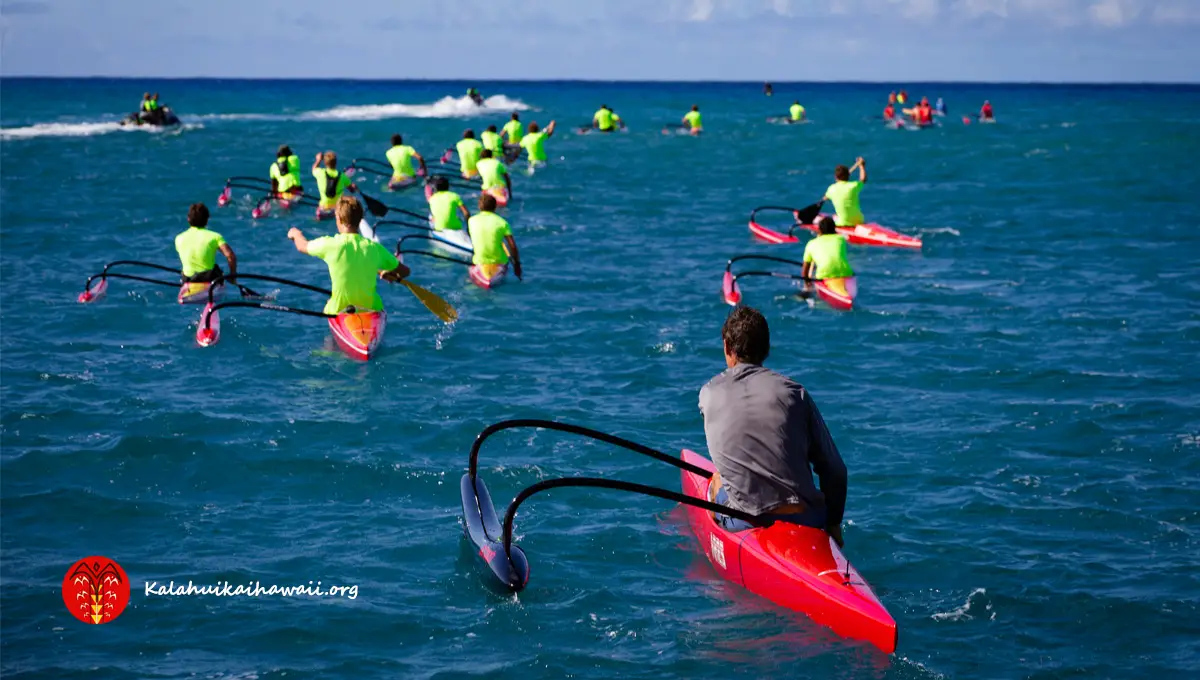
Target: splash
(963, 613)
(446, 107)
(84, 130)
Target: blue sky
(873, 40)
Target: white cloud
(918, 9)
(1113, 13)
(978, 8)
(701, 10)
(1176, 13)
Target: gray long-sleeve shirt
(764, 432)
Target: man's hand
(835, 532)
(294, 232)
(318, 158)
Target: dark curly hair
(747, 336)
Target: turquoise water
(1016, 402)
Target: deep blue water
(1016, 402)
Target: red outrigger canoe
(797, 567)
(862, 235)
(358, 334)
(487, 275)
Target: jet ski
(163, 117)
(475, 96)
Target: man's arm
(507, 181)
(421, 160)
(317, 162)
(862, 170)
(396, 275)
(510, 246)
(227, 251)
(298, 240)
(550, 129)
(831, 470)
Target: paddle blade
(432, 301)
(375, 207)
(807, 215)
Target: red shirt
(924, 114)
(986, 111)
(889, 112)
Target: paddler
(605, 120)
(198, 246)
(691, 119)
(534, 143)
(512, 131)
(766, 438)
(493, 173)
(985, 112)
(401, 156)
(475, 96)
(796, 111)
(492, 238)
(922, 113)
(844, 194)
(445, 207)
(355, 262)
(285, 173)
(892, 97)
(491, 140)
(902, 97)
(468, 149)
(889, 112)
(825, 255)
(330, 182)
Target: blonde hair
(349, 212)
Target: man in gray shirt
(766, 438)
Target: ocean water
(1016, 402)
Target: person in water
(902, 97)
(767, 438)
(468, 149)
(534, 143)
(491, 140)
(285, 173)
(330, 182)
(445, 207)
(825, 255)
(401, 156)
(892, 97)
(355, 262)
(922, 113)
(493, 173)
(796, 112)
(198, 246)
(940, 107)
(844, 194)
(512, 131)
(768, 89)
(605, 120)
(492, 239)
(985, 112)
(889, 112)
(691, 120)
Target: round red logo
(96, 590)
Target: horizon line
(890, 83)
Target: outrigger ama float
(797, 567)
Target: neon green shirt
(491, 140)
(828, 253)
(492, 172)
(354, 264)
(197, 248)
(844, 196)
(401, 159)
(487, 230)
(468, 154)
(514, 130)
(444, 206)
(288, 178)
(604, 119)
(693, 119)
(797, 111)
(535, 145)
(330, 179)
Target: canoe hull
(359, 334)
(793, 566)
